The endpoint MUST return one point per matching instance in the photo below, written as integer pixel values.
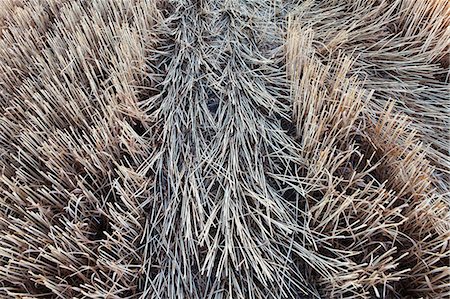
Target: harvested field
(224, 149)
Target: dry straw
(224, 149)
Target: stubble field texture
(214, 149)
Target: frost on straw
(224, 149)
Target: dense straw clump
(224, 149)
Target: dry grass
(224, 149)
